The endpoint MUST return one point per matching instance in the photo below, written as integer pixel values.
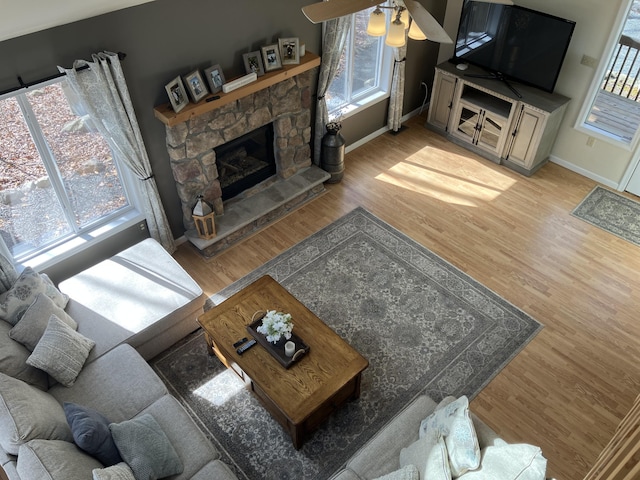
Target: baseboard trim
(585, 173)
(382, 130)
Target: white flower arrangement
(276, 324)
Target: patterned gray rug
(424, 326)
(611, 212)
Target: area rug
(611, 212)
(425, 327)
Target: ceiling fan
(428, 26)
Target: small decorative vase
(332, 152)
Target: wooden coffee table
(303, 396)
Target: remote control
(246, 346)
(239, 342)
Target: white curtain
(335, 35)
(394, 119)
(102, 91)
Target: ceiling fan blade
(323, 11)
(429, 25)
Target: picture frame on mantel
(271, 57)
(177, 94)
(196, 86)
(253, 63)
(289, 50)
(215, 78)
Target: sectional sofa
(116, 314)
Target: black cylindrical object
(332, 152)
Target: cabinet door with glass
(491, 134)
(466, 121)
(483, 128)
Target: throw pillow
(91, 433)
(410, 472)
(121, 471)
(13, 360)
(61, 352)
(8, 273)
(59, 298)
(22, 293)
(54, 460)
(429, 454)
(33, 323)
(27, 413)
(454, 423)
(145, 447)
(512, 461)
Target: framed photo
(271, 57)
(196, 86)
(253, 63)
(215, 78)
(289, 50)
(177, 94)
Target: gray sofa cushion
(61, 352)
(91, 433)
(215, 470)
(119, 384)
(193, 448)
(35, 319)
(145, 448)
(54, 460)
(13, 360)
(27, 413)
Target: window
(58, 177)
(612, 112)
(364, 74)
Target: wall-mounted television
(513, 42)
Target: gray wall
(166, 38)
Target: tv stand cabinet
(487, 117)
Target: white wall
(28, 16)
(594, 20)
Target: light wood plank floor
(569, 388)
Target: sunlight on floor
(221, 388)
(449, 185)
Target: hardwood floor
(569, 388)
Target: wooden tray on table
(277, 349)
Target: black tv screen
(514, 42)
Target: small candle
(289, 349)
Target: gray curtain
(335, 35)
(394, 118)
(102, 91)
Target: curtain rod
(121, 56)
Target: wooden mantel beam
(166, 115)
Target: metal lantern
(203, 214)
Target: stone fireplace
(216, 145)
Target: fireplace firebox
(246, 161)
